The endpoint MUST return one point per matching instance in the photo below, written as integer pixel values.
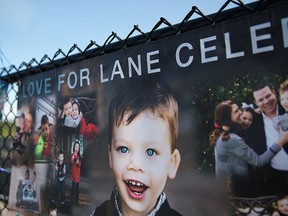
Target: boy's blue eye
(150, 152)
(123, 149)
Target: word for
(44, 86)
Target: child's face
(284, 100)
(75, 110)
(28, 122)
(61, 158)
(247, 118)
(282, 206)
(22, 123)
(68, 108)
(45, 130)
(141, 160)
(76, 148)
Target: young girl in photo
(75, 162)
(247, 115)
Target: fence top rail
(113, 42)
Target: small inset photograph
(27, 188)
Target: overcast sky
(32, 28)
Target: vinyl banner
(105, 128)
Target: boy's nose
(136, 163)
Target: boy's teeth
(135, 183)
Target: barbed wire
(114, 42)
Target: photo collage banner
(63, 137)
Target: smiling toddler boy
(143, 130)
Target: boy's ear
(174, 164)
(109, 154)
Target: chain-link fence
(12, 75)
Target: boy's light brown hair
(283, 87)
(145, 94)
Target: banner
(61, 148)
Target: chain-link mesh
(9, 77)
(8, 104)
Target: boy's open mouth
(137, 188)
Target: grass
(7, 129)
